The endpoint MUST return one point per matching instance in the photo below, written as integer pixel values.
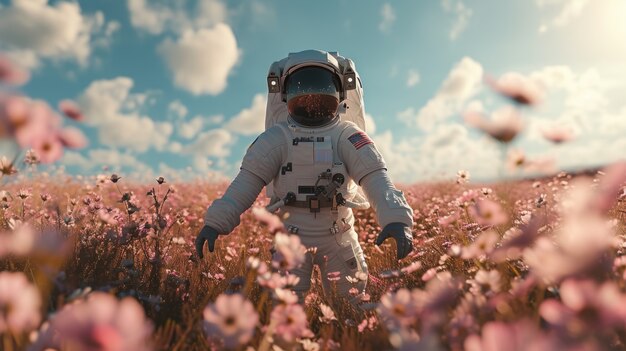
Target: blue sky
(163, 83)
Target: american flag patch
(359, 139)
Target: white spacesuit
(313, 164)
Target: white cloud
(250, 120)
(177, 109)
(575, 99)
(388, 17)
(190, 129)
(157, 17)
(438, 155)
(214, 142)
(202, 60)
(32, 29)
(104, 105)
(462, 83)
(257, 14)
(210, 12)
(462, 15)
(97, 158)
(148, 18)
(413, 77)
(175, 147)
(370, 125)
(568, 10)
(216, 119)
(400, 155)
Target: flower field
(105, 264)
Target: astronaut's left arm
(367, 167)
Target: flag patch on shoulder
(359, 139)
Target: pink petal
(71, 110)
(73, 138)
(11, 73)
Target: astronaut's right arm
(258, 168)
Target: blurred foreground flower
(504, 125)
(488, 213)
(72, 138)
(232, 319)
(33, 124)
(19, 303)
(521, 335)
(99, 323)
(11, 74)
(19, 241)
(586, 305)
(291, 322)
(584, 235)
(516, 87)
(399, 309)
(558, 134)
(71, 110)
(273, 222)
(290, 253)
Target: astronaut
(313, 163)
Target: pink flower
(515, 159)
(429, 274)
(483, 245)
(13, 113)
(285, 296)
(521, 335)
(398, 309)
(72, 138)
(275, 280)
(11, 73)
(231, 318)
(20, 303)
(446, 221)
(24, 194)
(289, 252)
(39, 123)
(414, 266)
(291, 322)
(558, 134)
(6, 166)
(584, 305)
(327, 314)
(333, 276)
(48, 148)
(71, 110)
(20, 241)
(503, 126)
(516, 87)
(99, 323)
(579, 243)
(611, 185)
(273, 222)
(488, 213)
(462, 177)
(485, 282)
(31, 157)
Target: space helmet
(313, 95)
